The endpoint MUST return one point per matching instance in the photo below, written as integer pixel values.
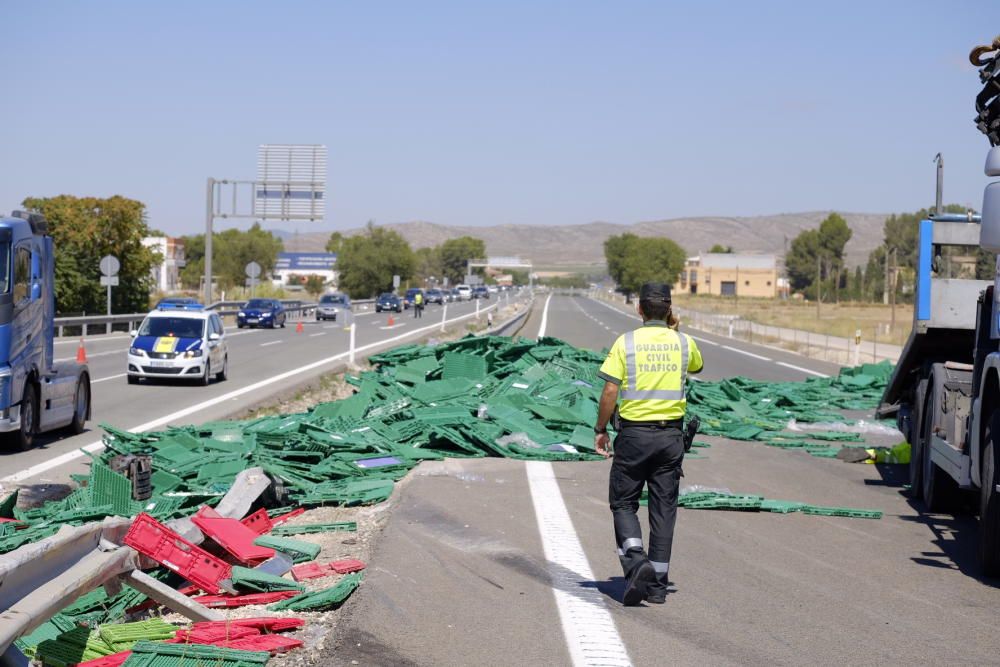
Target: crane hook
(976, 56)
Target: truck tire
(915, 436)
(989, 501)
(81, 406)
(939, 490)
(24, 437)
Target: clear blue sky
(504, 112)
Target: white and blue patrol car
(186, 344)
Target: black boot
(638, 579)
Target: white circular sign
(110, 265)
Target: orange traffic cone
(392, 322)
(81, 354)
(299, 328)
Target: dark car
(331, 304)
(480, 292)
(178, 303)
(261, 313)
(411, 294)
(435, 296)
(388, 301)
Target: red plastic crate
(244, 600)
(347, 565)
(271, 643)
(259, 522)
(285, 517)
(231, 535)
(262, 623)
(311, 570)
(113, 660)
(150, 537)
(215, 634)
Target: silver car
(331, 304)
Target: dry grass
(834, 319)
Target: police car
(187, 344)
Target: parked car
(464, 292)
(388, 301)
(480, 292)
(435, 296)
(261, 313)
(331, 304)
(493, 289)
(408, 298)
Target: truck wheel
(24, 437)
(207, 377)
(915, 436)
(989, 502)
(939, 490)
(81, 403)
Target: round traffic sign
(252, 270)
(110, 265)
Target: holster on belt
(691, 430)
(616, 421)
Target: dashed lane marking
(804, 370)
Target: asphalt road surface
(491, 562)
(263, 363)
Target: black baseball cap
(654, 292)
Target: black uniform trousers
(650, 456)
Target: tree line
(816, 267)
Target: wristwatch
(600, 431)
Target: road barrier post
(350, 356)
(857, 347)
(477, 309)
(444, 316)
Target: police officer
(646, 370)
(418, 304)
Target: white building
(167, 273)
(303, 265)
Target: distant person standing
(646, 370)
(418, 304)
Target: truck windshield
(4, 268)
(173, 327)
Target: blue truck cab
(37, 394)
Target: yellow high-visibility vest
(650, 366)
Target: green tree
(368, 261)
(455, 254)
(315, 285)
(232, 250)
(335, 242)
(428, 264)
(819, 250)
(719, 248)
(634, 260)
(84, 229)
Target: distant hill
(554, 246)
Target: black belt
(660, 423)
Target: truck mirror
(36, 291)
(989, 232)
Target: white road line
(617, 310)
(110, 377)
(590, 632)
(744, 352)
(198, 407)
(96, 354)
(321, 333)
(703, 341)
(273, 342)
(545, 317)
(804, 370)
